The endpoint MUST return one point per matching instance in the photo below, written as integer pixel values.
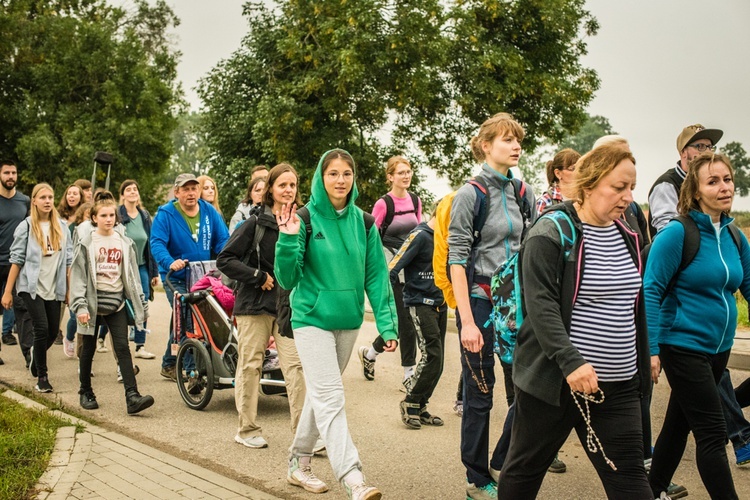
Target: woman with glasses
(332, 263)
(692, 317)
(560, 172)
(581, 359)
(396, 214)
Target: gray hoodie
(83, 281)
(501, 234)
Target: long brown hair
(562, 160)
(63, 208)
(691, 184)
(202, 181)
(56, 236)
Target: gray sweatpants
(324, 355)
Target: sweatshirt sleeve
(405, 254)
(663, 204)
(236, 219)
(378, 288)
(290, 257)
(221, 233)
(461, 225)
(20, 242)
(159, 240)
(543, 294)
(378, 211)
(663, 262)
(78, 281)
(231, 259)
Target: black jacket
(544, 354)
(415, 258)
(239, 261)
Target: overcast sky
(663, 65)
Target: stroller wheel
(195, 374)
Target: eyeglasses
(702, 147)
(405, 173)
(334, 176)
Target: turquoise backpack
(506, 290)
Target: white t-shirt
(108, 251)
(48, 271)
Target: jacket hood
(319, 196)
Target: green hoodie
(331, 275)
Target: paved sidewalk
(98, 463)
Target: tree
(190, 147)
(80, 76)
(741, 164)
(316, 74)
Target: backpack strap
(481, 209)
(519, 189)
(369, 222)
(259, 232)
(389, 213)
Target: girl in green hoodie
(330, 266)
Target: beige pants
(254, 333)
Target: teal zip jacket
(700, 312)
(331, 273)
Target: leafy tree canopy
(380, 77)
(80, 76)
(741, 164)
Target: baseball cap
(183, 179)
(692, 133)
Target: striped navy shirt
(603, 322)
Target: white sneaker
(144, 354)
(119, 374)
(303, 476)
(69, 347)
(362, 492)
(252, 441)
(102, 347)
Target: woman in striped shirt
(582, 359)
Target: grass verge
(27, 438)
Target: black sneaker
(557, 466)
(137, 403)
(676, 491)
(32, 365)
(2, 362)
(43, 385)
(9, 339)
(88, 401)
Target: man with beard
(14, 207)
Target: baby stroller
(205, 340)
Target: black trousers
(540, 429)
(694, 405)
(45, 317)
(407, 334)
(117, 323)
(742, 393)
(431, 324)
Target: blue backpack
(506, 289)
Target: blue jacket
(700, 312)
(171, 238)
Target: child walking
(104, 275)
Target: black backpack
(390, 211)
(690, 247)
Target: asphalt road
(403, 463)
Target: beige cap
(692, 133)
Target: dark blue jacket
(415, 258)
(171, 238)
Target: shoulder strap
(304, 214)
(259, 232)
(414, 201)
(481, 207)
(519, 188)
(735, 232)
(389, 213)
(369, 221)
(690, 245)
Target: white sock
(305, 460)
(372, 354)
(408, 371)
(354, 478)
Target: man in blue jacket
(185, 229)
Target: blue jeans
(140, 333)
(475, 424)
(738, 428)
(168, 359)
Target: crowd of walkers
(610, 299)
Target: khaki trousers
(254, 333)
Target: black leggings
(694, 405)
(407, 334)
(430, 326)
(117, 323)
(45, 317)
(742, 393)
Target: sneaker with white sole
(458, 408)
(362, 492)
(144, 354)
(43, 385)
(368, 365)
(252, 441)
(486, 492)
(69, 347)
(101, 347)
(302, 475)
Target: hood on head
(319, 196)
